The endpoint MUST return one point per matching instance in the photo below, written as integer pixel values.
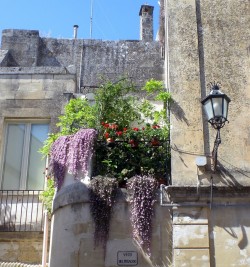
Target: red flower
(113, 126)
(133, 143)
(110, 140)
(136, 129)
(105, 125)
(106, 135)
(155, 142)
(155, 126)
(125, 129)
(119, 133)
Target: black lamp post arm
(215, 150)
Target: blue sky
(112, 19)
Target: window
(22, 166)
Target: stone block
(190, 236)
(191, 258)
(190, 215)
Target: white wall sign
(127, 258)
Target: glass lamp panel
(217, 106)
(208, 108)
(36, 166)
(13, 156)
(225, 108)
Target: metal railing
(21, 210)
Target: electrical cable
(202, 154)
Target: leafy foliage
(126, 127)
(78, 114)
(45, 149)
(155, 90)
(153, 86)
(132, 141)
(103, 193)
(143, 196)
(136, 151)
(47, 195)
(115, 103)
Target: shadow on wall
(178, 112)
(11, 61)
(46, 57)
(6, 218)
(235, 223)
(228, 177)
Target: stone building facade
(36, 77)
(202, 217)
(208, 41)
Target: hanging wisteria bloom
(72, 153)
(80, 151)
(143, 196)
(58, 159)
(103, 193)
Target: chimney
(75, 31)
(146, 23)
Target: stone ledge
(203, 193)
(77, 193)
(11, 236)
(18, 264)
(36, 70)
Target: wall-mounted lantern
(216, 108)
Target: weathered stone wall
(33, 93)
(209, 42)
(92, 60)
(22, 46)
(210, 225)
(34, 75)
(73, 233)
(21, 247)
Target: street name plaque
(127, 258)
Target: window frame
(25, 153)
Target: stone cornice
(204, 193)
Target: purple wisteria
(71, 152)
(103, 193)
(143, 196)
(58, 159)
(81, 148)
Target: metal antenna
(91, 18)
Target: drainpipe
(167, 74)
(46, 225)
(45, 239)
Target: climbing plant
(47, 195)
